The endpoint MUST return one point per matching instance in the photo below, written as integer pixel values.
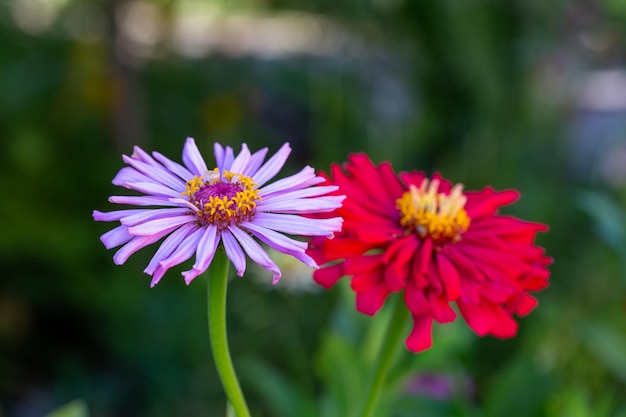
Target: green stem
(218, 282)
(386, 354)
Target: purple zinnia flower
(197, 208)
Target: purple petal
(255, 162)
(157, 275)
(206, 248)
(193, 159)
(218, 152)
(158, 225)
(167, 247)
(174, 167)
(241, 162)
(307, 192)
(273, 238)
(204, 254)
(302, 205)
(128, 174)
(256, 252)
(227, 160)
(152, 188)
(143, 156)
(184, 251)
(272, 166)
(223, 157)
(112, 216)
(302, 179)
(281, 243)
(191, 274)
(234, 252)
(115, 237)
(146, 215)
(156, 173)
(181, 202)
(141, 200)
(298, 225)
(135, 244)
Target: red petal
(522, 305)
(534, 282)
(375, 234)
(434, 280)
(371, 301)
(503, 324)
(475, 317)
(449, 276)
(508, 228)
(419, 279)
(421, 262)
(362, 168)
(507, 262)
(358, 264)
(444, 184)
(488, 318)
(496, 293)
(470, 292)
(398, 245)
(416, 300)
(486, 202)
(324, 250)
(343, 247)
(440, 307)
(394, 279)
(315, 250)
(394, 187)
(464, 265)
(358, 191)
(328, 276)
(366, 280)
(420, 338)
(412, 178)
(398, 256)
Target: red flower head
(436, 243)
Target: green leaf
(518, 390)
(608, 345)
(608, 216)
(577, 401)
(280, 394)
(343, 373)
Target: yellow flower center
(222, 202)
(437, 215)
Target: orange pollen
(222, 200)
(437, 215)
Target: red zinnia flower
(435, 242)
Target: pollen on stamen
(222, 202)
(429, 213)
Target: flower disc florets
(440, 216)
(222, 200)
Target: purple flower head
(440, 386)
(197, 209)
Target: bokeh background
(517, 94)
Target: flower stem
(218, 282)
(386, 354)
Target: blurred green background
(518, 94)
